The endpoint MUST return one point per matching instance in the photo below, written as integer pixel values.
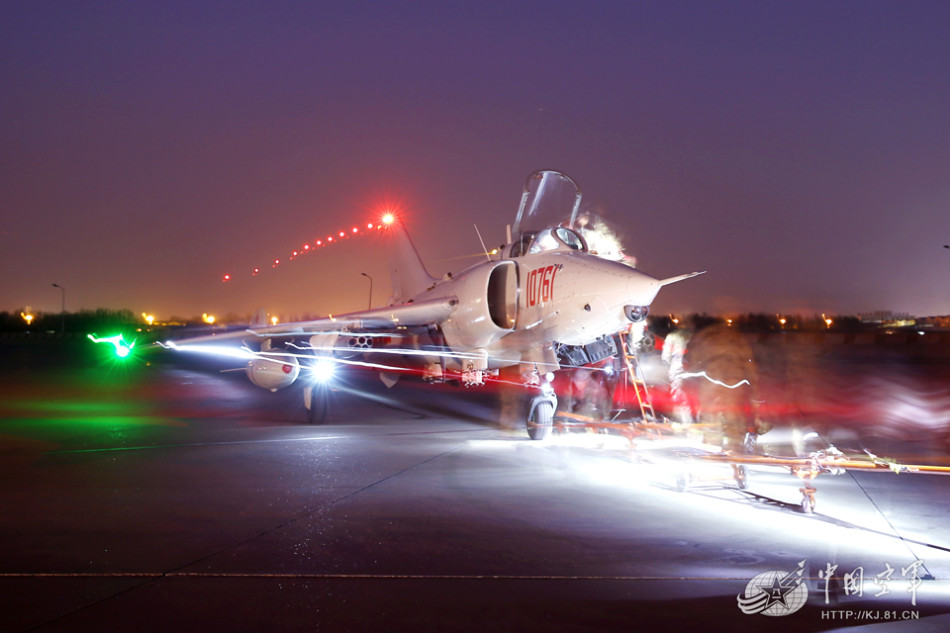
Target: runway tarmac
(171, 496)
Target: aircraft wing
(407, 316)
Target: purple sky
(799, 152)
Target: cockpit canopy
(546, 216)
(550, 198)
(553, 239)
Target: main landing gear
(540, 418)
(315, 400)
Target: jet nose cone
(640, 289)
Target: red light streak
(329, 240)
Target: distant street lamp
(370, 290)
(63, 317)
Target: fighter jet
(541, 302)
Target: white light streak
(213, 350)
(702, 374)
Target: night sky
(798, 151)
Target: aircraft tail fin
(408, 273)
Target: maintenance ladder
(635, 378)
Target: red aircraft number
(541, 284)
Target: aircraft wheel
(317, 411)
(742, 476)
(540, 421)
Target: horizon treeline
(86, 321)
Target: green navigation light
(122, 349)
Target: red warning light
(386, 219)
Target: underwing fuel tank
(273, 372)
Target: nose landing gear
(540, 418)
